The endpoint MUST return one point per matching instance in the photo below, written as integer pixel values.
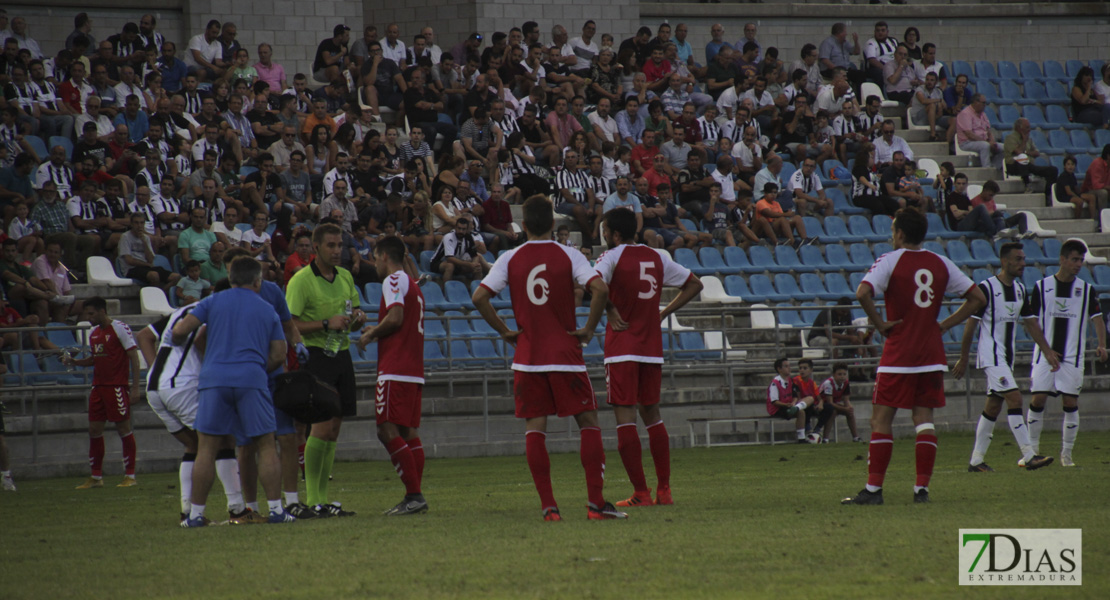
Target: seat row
(1029, 71)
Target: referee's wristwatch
(325, 324)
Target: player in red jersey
(550, 376)
(114, 356)
(400, 337)
(912, 365)
(636, 275)
(835, 392)
(806, 390)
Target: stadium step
(1016, 202)
(1068, 227)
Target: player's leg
(660, 444)
(533, 399)
(287, 448)
(623, 379)
(1021, 432)
(412, 436)
(204, 472)
(984, 432)
(925, 451)
(1035, 419)
(188, 439)
(395, 403)
(254, 409)
(97, 417)
(5, 462)
(593, 462)
(1070, 430)
(246, 469)
(127, 442)
(882, 443)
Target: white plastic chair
(100, 271)
(914, 126)
(716, 340)
(807, 351)
(868, 88)
(1032, 224)
(974, 189)
(762, 319)
(714, 291)
(154, 302)
(930, 166)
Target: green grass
(755, 522)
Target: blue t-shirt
(630, 201)
(272, 294)
(241, 326)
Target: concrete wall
(50, 26)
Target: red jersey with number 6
(109, 349)
(541, 277)
(636, 275)
(914, 283)
(401, 353)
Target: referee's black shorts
(337, 371)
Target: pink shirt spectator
(272, 75)
(60, 275)
(991, 208)
(1098, 176)
(566, 126)
(969, 120)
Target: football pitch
(748, 522)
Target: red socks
(96, 455)
(128, 453)
(628, 443)
(401, 457)
(660, 444)
(925, 451)
(593, 461)
(535, 444)
(878, 457)
(417, 450)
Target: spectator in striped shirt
(575, 196)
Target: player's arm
(690, 290)
(973, 301)
(1033, 328)
(334, 322)
(148, 344)
(1100, 330)
(482, 301)
(183, 328)
(866, 296)
(599, 298)
(133, 356)
(394, 319)
(965, 350)
(277, 355)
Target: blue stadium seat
(457, 294)
(1008, 71)
(712, 262)
(861, 256)
(1052, 250)
(786, 257)
(812, 258)
(483, 329)
(763, 291)
(460, 352)
(691, 346)
(860, 226)
(593, 352)
(1056, 114)
(1054, 71)
(961, 255)
(690, 225)
(990, 92)
(788, 169)
(687, 258)
(985, 70)
(1073, 68)
(938, 229)
(854, 280)
(433, 354)
(813, 287)
(962, 67)
(1035, 92)
(809, 311)
(425, 262)
(841, 204)
(458, 325)
(981, 249)
(1102, 137)
(1035, 116)
(981, 275)
(363, 303)
(38, 145)
(736, 258)
(1059, 138)
(489, 352)
(1096, 66)
(761, 257)
(57, 140)
(786, 284)
(1082, 141)
(881, 248)
(1031, 71)
(1085, 275)
(1031, 276)
(1034, 255)
(1058, 93)
(736, 286)
(1102, 277)
(787, 316)
(1008, 114)
(370, 355)
(836, 284)
(1010, 90)
(997, 121)
(936, 248)
(836, 231)
(881, 224)
(813, 227)
(1082, 163)
(374, 295)
(838, 258)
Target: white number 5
(649, 278)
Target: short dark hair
(96, 303)
(393, 248)
(323, 230)
(1072, 245)
(538, 215)
(806, 361)
(839, 367)
(912, 224)
(192, 263)
(1009, 247)
(243, 271)
(779, 362)
(990, 186)
(622, 222)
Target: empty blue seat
(995, 120)
(374, 295)
(881, 224)
(1010, 91)
(938, 229)
(764, 291)
(687, 258)
(1085, 275)
(836, 230)
(1052, 250)
(761, 257)
(837, 257)
(985, 70)
(1102, 137)
(736, 258)
(433, 297)
(935, 248)
(813, 287)
(1035, 116)
(457, 294)
(1031, 71)
(787, 316)
(1056, 114)
(1034, 255)
(433, 355)
(460, 352)
(980, 275)
(692, 346)
(458, 325)
(1061, 140)
(1082, 141)
(433, 327)
(786, 257)
(712, 262)
(810, 310)
(1008, 71)
(841, 204)
(786, 284)
(1031, 276)
(860, 226)
(64, 142)
(593, 353)
(1082, 163)
(854, 280)
(881, 248)
(38, 145)
(838, 286)
(1035, 93)
(1102, 277)
(1007, 115)
(1053, 70)
(981, 249)
(1073, 68)
(488, 351)
(812, 258)
(861, 255)
(961, 255)
(813, 227)
(736, 286)
(1058, 93)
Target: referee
(323, 299)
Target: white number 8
(923, 297)
(535, 281)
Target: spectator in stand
(331, 55)
(781, 400)
(805, 184)
(26, 232)
(17, 185)
(899, 76)
(928, 63)
(962, 216)
(1067, 190)
(784, 222)
(889, 184)
(82, 25)
(1087, 105)
(172, 69)
(1020, 152)
(19, 33)
(135, 257)
(21, 286)
(204, 56)
(1097, 180)
(956, 99)
(888, 144)
(55, 116)
(55, 276)
(498, 219)
(974, 134)
(835, 51)
(460, 254)
(1102, 88)
(424, 108)
(927, 106)
(879, 51)
(811, 80)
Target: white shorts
(177, 407)
(1067, 381)
(1000, 380)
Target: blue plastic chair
(854, 280)
(813, 287)
(938, 229)
(962, 67)
(457, 294)
(1034, 254)
(838, 286)
(57, 140)
(764, 291)
(1035, 92)
(1009, 71)
(1056, 114)
(1052, 250)
(1073, 68)
(881, 224)
(593, 353)
(860, 226)
(1102, 137)
(1058, 93)
(1031, 276)
(433, 327)
(1053, 70)
(38, 145)
(861, 256)
(433, 297)
(961, 255)
(813, 227)
(1081, 140)
(374, 295)
(692, 345)
(458, 325)
(841, 204)
(985, 70)
(460, 353)
(736, 258)
(433, 353)
(787, 316)
(1059, 138)
(814, 260)
(981, 275)
(836, 231)
(786, 284)
(1008, 114)
(981, 249)
(487, 351)
(1010, 90)
(761, 257)
(838, 258)
(689, 224)
(1031, 71)
(1102, 277)
(786, 257)
(736, 286)
(712, 262)
(687, 258)
(993, 117)
(881, 248)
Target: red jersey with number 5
(636, 275)
(914, 283)
(541, 277)
(401, 353)
(109, 349)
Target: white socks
(1071, 429)
(1021, 432)
(227, 469)
(1034, 421)
(185, 478)
(984, 431)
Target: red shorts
(631, 383)
(907, 390)
(398, 402)
(110, 403)
(563, 393)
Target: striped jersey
(1064, 309)
(577, 182)
(174, 366)
(999, 321)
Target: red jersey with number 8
(914, 283)
(636, 275)
(541, 277)
(109, 349)
(401, 353)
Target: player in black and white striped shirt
(460, 253)
(1064, 305)
(574, 195)
(1007, 306)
